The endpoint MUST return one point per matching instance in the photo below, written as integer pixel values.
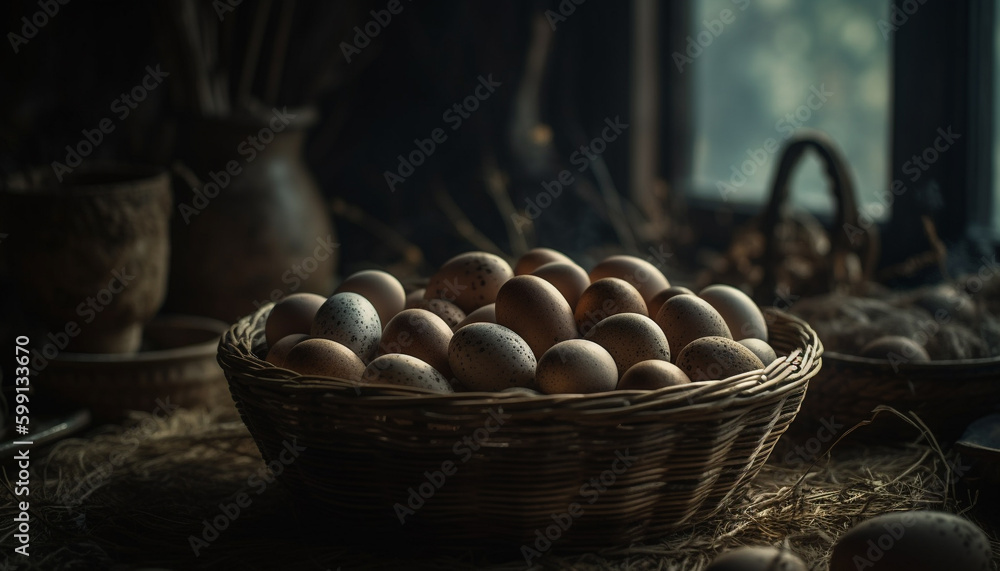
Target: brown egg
(716, 358)
(760, 348)
(276, 353)
(742, 315)
(576, 366)
(896, 349)
(570, 279)
(491, 357)
(630, 338)
(684, 318)
(757, 559)
(658, 300)
(536, 258)
(485, 314)
(415, 298)
(914, 541)
(381, 288)
(406, 370)
(651, 375)
(470, 280)
(646, 278)
(421, 334)
(604, 298)
(322, 357)
(446, 310)
(351, 320)
(292, 314)
(535, 310)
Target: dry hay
(132, 496)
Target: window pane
(766, 67)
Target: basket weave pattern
(676, 455)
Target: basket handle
(843, 244)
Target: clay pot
(89, 254)
(253, 227)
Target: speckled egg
(913, 541)
(406, 370)
(604, 298)
(470, 280)
(757, 559)
(421, 334)
(326, 358)
(536, 258)
(651, 375)
(351, 320)
(446, 310)
(660, 298)
(716, 358)
(292, 314)
(535, 310)
(570, 279)
(381, 288)
(576, 366)
(741, 314)
(415, 298)
(485, 314)
(630, 338)
(896, 349)
(491, 357)
(760, 348)
(644, 276)
(276, 353)
(684, 318)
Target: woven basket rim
(882, 364)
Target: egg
(716, 358)
(741, 314)
(351, 320)
(945, 300)
(322, 357)
(651, 375)
(421, 334)
(276, 353)
(604, 298)
(491, 357)
(630, 338)
(414, 298)
(760, 348)
(658, 300)
(406, 370)
(576, 366)
(292, 314)
(446, 310)
(684, 318)
(896, 349)
(536, 258)
(914, 541)
(646, 278)
(522, 391)
(470, 280)
(485, 314)
(381, 288)
(535, 310)
(757, 559)
(570, 279)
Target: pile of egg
(546, 325)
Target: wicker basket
(676, 455)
